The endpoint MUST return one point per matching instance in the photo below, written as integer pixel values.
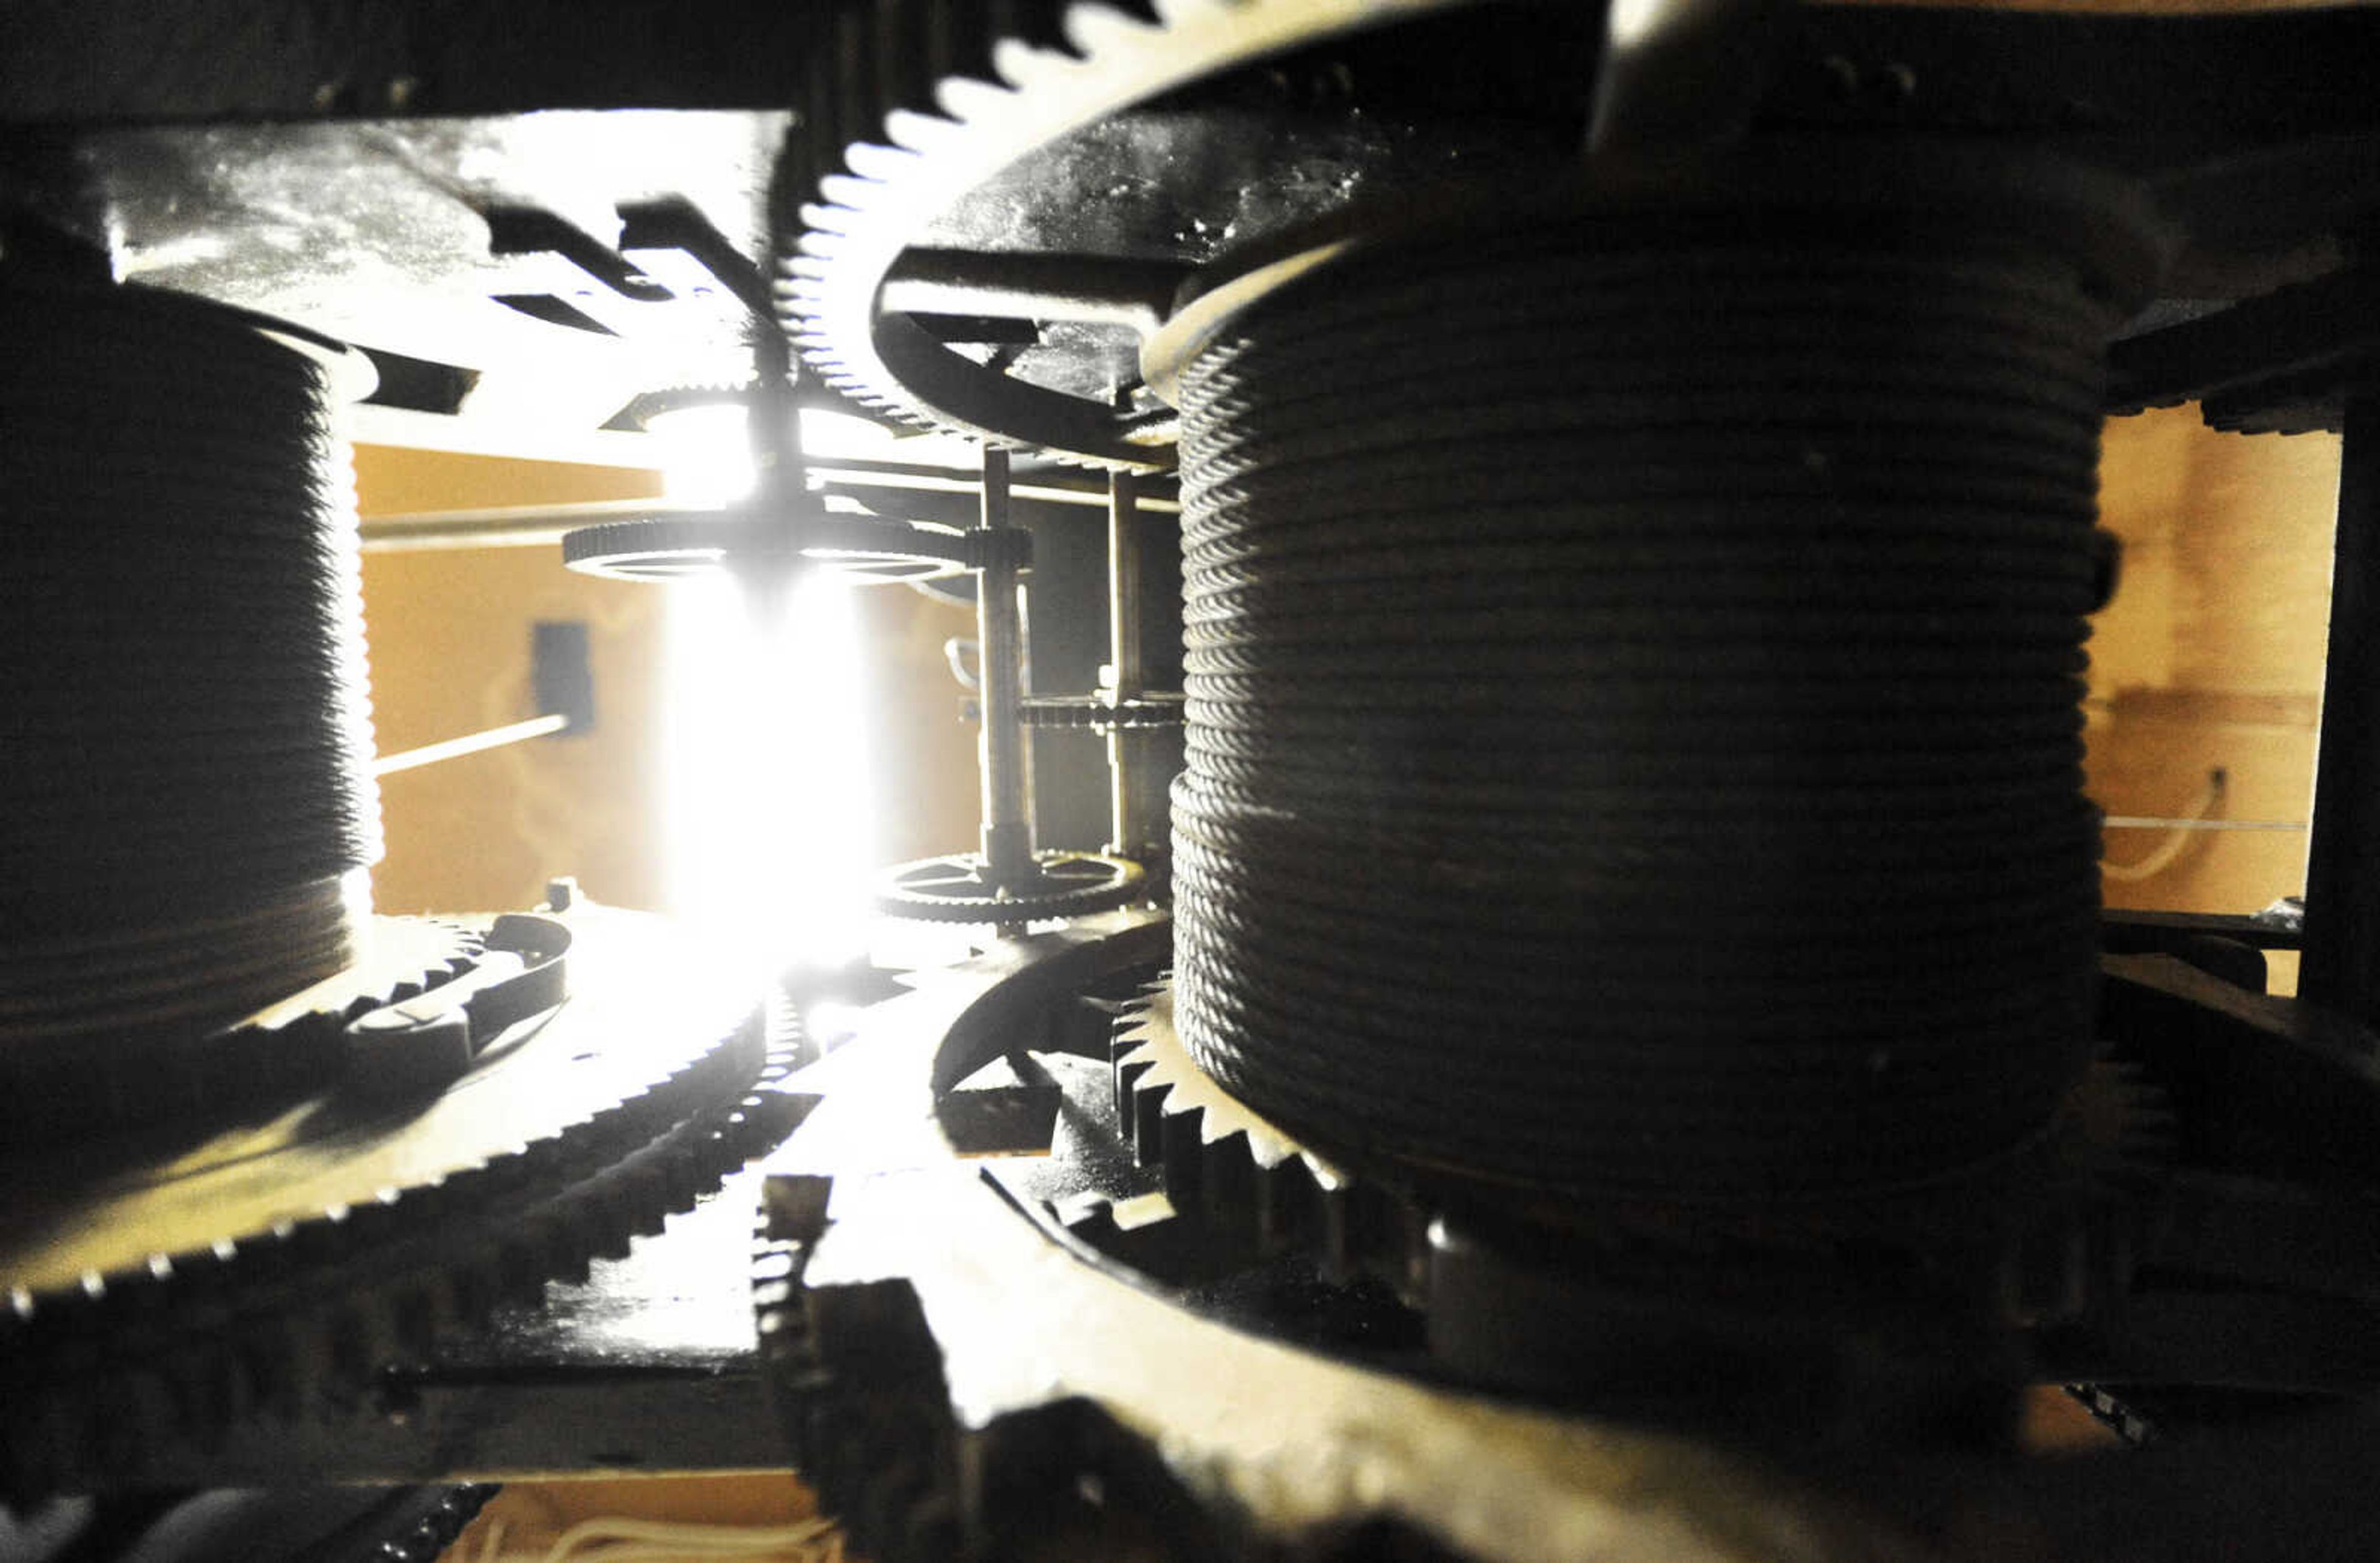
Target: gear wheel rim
(1098, 59)
(861, 551)
(297, 1319)
(1108, 881)
(273, 1048)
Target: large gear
(1248, 1187)
(924, 103)
(160, 1291)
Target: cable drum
(187, 804)
(1632, 682)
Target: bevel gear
(924, 103)
(158, 1291)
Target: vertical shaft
(2342, 920)
(1125, 678)
(1007, 833)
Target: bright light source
(707, 456)
(769, 830)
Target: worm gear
(159, 1290)
(923, 104)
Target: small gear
(158, 1292)
(1094, 713)
(956, 889)
(859, 549)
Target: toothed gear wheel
(1063, 884)
(1251, 1189)
(858, 549)
(50, 1092)
(156, 1290)
(922, 104)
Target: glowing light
(707, 456)
(770, 828)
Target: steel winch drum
(185, 805)
(1632, 664)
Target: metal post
(1125, 678)
(1007, 832)
(2342, 915)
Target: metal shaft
(2342, 915)
(1007, 832)
(1126, 824)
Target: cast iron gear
(923, 103)
(956, 889)
(159, 1291)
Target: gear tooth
(1228, 1192)
(1148, 1110)
(1094, 29)
(845, 193)
(965, 98)
(1182, 1135)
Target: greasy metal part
(161, 1290)
(219, 1523)
(1007, 843)
(2342, 900)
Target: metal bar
(1125, 678)
(469, 744)
(1088, 289)
(1007, 832)
(2342, 922)
(524, 526)
(2149, 822)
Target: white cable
(667, 1539)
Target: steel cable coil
(186, 805)
(1632, 685)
